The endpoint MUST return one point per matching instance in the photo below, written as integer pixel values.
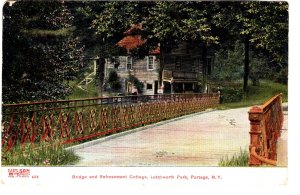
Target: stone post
(255, 117)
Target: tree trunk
(161, 66)
(101, 70)
(204, 60)
(246, 66)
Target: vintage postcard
(145, 93)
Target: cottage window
(116, 62)
(129, 63)
(149, 86)
(150, 62)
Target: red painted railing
(266, 123)
(76, 120)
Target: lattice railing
(76, 120)
(266, 123)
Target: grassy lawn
(39, 154)
(257, 95)
(90, 91)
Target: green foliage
(282, 76)
(137, 83)
(90, 91)
(231, 94)
(259, 69)
(258, 95)
(43, 41)
(109, 20)
(268, 23)
(114, 14)
(84, 13)
(237, 160)
(113, 81)
(64, 32)
(263, 24)
(170, 22)
(87, 91)
(40, 51)
(40, 154)
(228, 64)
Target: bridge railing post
(255, 117)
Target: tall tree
(169, 23)
(270, 29)
(40, 52)
(265, 27)
(262, 25)
(109, 23)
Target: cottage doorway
(155, 87)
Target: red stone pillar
(255, 117)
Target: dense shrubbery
(137, 83)
(41, 52)
(113, 83)
(282, 76)
(231, 94)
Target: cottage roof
(130, 42)
(133, 40)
